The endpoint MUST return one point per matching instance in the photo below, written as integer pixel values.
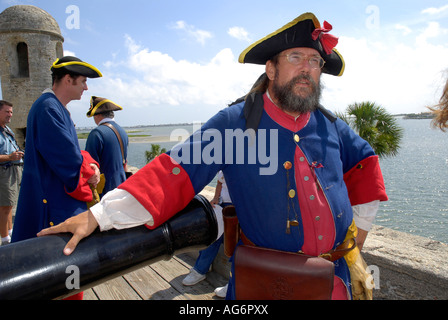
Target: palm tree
(154, 153)
(375, 125)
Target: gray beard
(290, 102)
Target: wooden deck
(159, 281)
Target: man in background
(11, 163)
(57, 175)
(108, 143)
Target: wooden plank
(188, 260)
(116, 289)
(150, 286)
(174, 272)
(90, 295)
(159, 281)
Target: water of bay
(417, 183)
(416, 179)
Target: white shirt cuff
(119, 210)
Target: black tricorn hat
(304, 31)
(100, 105)
(76, 66)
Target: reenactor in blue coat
(301, 180)
(57, 175)
(108, 143)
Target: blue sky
(172, 61)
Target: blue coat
(252, 163)
(102, 144)
(54, 170)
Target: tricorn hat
(304, 31)
(76, 66)
(100, 105)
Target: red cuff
(162, 187)
(76, 297)
(83, 191)
(365, 182)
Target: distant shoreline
(158, 139)
(149, 139)
(167, 139)
(87, 129)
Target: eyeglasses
(296, 59)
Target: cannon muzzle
(38, 269)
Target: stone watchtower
(30, 41)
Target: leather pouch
(231, 230)
(265, 274)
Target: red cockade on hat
(328, 41)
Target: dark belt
(331, 255)
(9, 165)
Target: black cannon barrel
(38, 269)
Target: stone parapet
(408, 267)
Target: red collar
(285, 120)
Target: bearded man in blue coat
(300, 179)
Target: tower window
(59, 50)
(22, 54)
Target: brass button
(307, 178)
(296, 138)
(317, 218)
(45, 201)
(312, 198)
(287, 165)
(292, 193)
(176, 171)
(294, 223)
(320, 238)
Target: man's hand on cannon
(81, 226)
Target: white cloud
(402, 77)
(433, 30)
(405, 30)
(200, 36)
(131, 45)
(186, 91)
(239, 33)
(433, 10)
(69, 53)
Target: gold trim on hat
(343, 62)
(94, 109)
(79, 63)
(303, 17)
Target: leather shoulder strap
(331, 117)
(253, 110)
(107, 124)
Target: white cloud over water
(402, 70)
(185, 90)
(404, 77)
